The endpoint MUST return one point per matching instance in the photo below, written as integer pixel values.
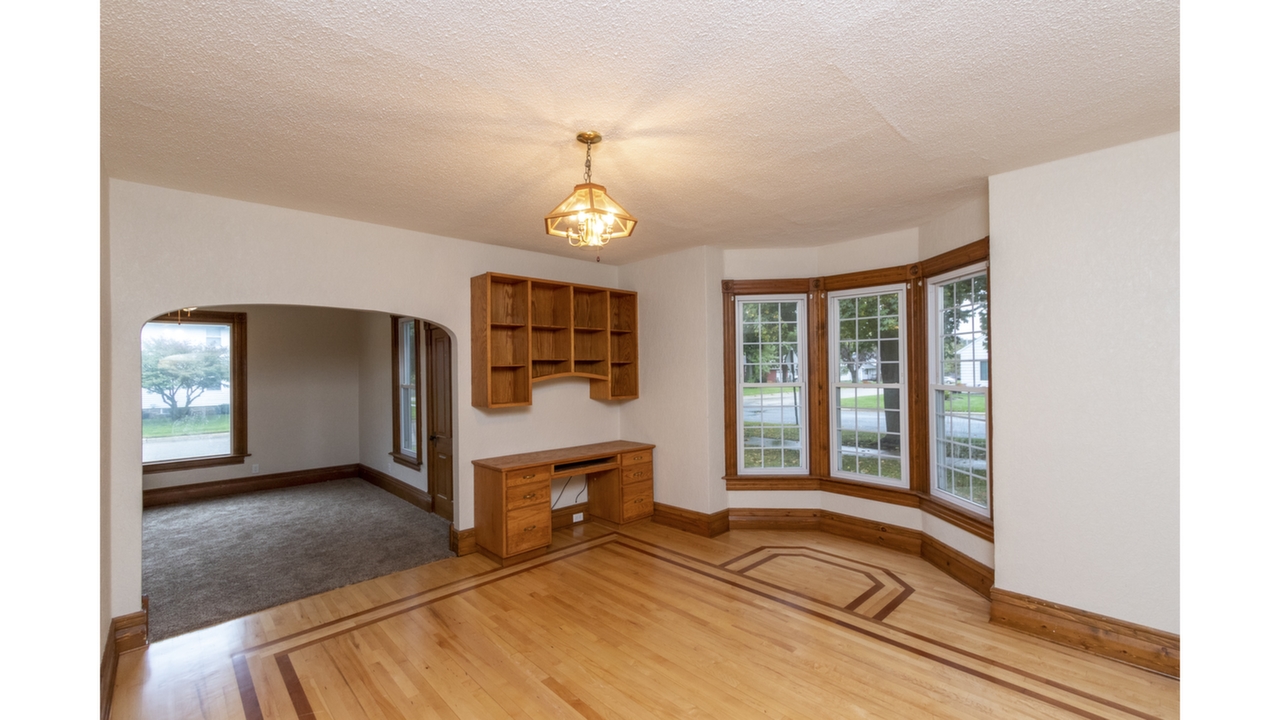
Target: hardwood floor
(646, 622)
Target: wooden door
(440, 421)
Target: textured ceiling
(740, 124)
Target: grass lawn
(160, 427)
(973, 403)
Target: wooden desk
(513, 493)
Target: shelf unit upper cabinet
(525, 330)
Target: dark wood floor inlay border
(716, 572)
(904, 590)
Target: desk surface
(560, 455)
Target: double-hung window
(772, 385)
(958, 385)
(407, 420)
(868, 364)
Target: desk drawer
(527, 475)
(534, 493)
(528, 528)
(637, 502)
(637, 473)
(636, 457)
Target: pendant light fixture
(589, 217)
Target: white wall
(900, 247)
(104, 408)
(1084, 274)
(963, 224)
(172, 249)
(680, 408)
(303, 393)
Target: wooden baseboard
(967, 521)
(869, 531)
(222, 488)
(399, 488)
(1139, 645)
(107, 672)
(966, 570)
(462, 542)
(125, 633)
(563, 517)
(969, 572)
(691, 521)
(774, 519)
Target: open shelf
(551, 304)
(509, 301)
(622, 311)
(590, 308)
(509, 386)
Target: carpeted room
(208, 561)
(318, 402)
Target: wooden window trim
(409, 461)
(916, 277)
(239, 391)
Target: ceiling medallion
(589, 217)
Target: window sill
(193, 463)
(968, 521)
(406, 460)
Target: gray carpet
(210, 561)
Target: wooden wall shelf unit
(513, 493)
(524, 330)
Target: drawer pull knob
(637, 457)
(530, 528)
(530, 496)
(526, 477)
(636, 474)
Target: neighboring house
(975, 369)
(153, 405)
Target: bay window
(871, 384)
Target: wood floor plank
(646, 622)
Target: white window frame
(408, 362)
(935, 384)
(802, 374)
(833, 356)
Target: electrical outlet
(577, 517)
(254, 469)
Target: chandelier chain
(587, 175)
